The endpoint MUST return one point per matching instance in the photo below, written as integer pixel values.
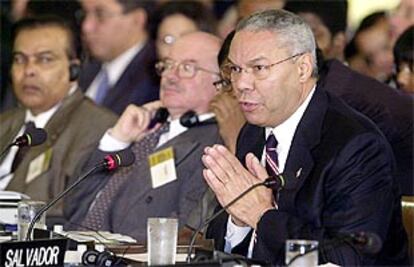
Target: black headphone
(74, 71)
(104, 258)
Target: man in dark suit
(44, 72)
(341, 164)
(389, 109)
(139, 191)
(122, 71)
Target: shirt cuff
(234, 235)
(110, 144)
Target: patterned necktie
(96, 215)
(21, 153)
(272, 163)
(103, 87)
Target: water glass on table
(26, 211)
(162, 240)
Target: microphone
(190, 119)
(110, 162)
(32, 137)
(364, 242)
(273, 182)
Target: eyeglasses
(185, 69)
(233, 72)
(100, 15)
(223, 85)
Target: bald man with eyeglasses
(187, 77)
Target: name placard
(50, 253)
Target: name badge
(39, 165)
(162, 167)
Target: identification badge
(39, 165)
(162, 167)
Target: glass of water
(162, 240)
(301, 253)
(26, 211)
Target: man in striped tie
(343, 167)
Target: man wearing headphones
(166, 177)
(44, 71)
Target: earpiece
(74, 71)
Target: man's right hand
(133, 123)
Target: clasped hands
(227, 177)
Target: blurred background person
(173, 19)
(373, 43)
(121, 71)
(403, 60)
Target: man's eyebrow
(46, 52)
(250, 62)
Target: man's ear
(305, 67)
(140, 17)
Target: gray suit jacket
(73, 133)
(137, 200)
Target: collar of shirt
(176, 128)
(285, 131)
(117, 66)
(40, 120)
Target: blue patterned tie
(99, 209)
(272, 163)
(103, 87)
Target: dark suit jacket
(138, 84)
(391, 110)
(345, 185)
(136, 200)
(73, 133)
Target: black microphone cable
(110, 162)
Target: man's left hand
(227, 177)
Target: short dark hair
(225, 48)
(35, 22)
(404, 48)
(130, 5)
(370, 20)
(333, 13)
(195, 11)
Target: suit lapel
(54, 129)
(129, 79)
(299, 164)
(11, 129)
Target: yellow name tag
(162, 167)
(39, 165)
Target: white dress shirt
(114, 68)
(40, 120)
(284, 134)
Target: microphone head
(366, 242)
(32, 137)
(123, 158)
(277, 182)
